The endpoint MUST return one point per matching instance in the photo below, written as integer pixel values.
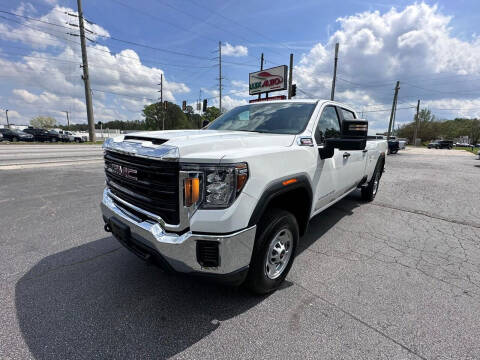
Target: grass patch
(469, 149)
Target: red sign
(281, 97)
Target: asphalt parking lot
(13, 156)
(398, 278)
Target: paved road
(14, 156)
(398, 278)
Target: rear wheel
(370, 191)
(274, 251)
(14, 139)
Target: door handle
(364, 150)
(346, 155)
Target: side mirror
(205, 123)
(354, 129)
(353, 137)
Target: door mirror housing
(354, 129)
(353, 136)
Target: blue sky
(431, 47)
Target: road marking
(49, 164)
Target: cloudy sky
(432, 48)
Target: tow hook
(107, 228)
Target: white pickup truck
(232, 200)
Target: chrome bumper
(235, 250)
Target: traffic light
(294, 90)
(184, 105)
(204, 104)
(165, 105)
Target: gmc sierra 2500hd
(231, 200)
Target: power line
(202, 6)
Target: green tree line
(430, 128)
(154, 118)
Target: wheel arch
(295, 197)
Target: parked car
(43, 135)
(440, 144)
(1, 137)
(79, 138)
(393, 145)
(15, 135)
(236, 210)
(463, 145)
(66, 136)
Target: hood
(208, 145)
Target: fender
(279, 188)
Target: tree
(173, 117)
(211, 113)
(430, 128)
(43, 122)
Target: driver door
(327, 176)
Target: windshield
(275, 118)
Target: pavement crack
(424, 213)
(363, 322)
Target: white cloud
(236, 51)
(54, 84)
(25, 9)
(413, 45)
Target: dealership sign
(268, 80)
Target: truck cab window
(328, 126)
(347, 114)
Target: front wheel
(370, 191)
(274, 251)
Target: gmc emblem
(124, 171)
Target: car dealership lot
(397, 278)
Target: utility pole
(261, 68)
(161, 101)
(85, 77)
(290, 71)
(68, 120)
(6, 114)
(220, 75)
(415, 132)
(332, 95)
(394, 118)
(394, 105)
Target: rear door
(328, 170)
(354, 161)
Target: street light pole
(6, 114)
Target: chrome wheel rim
(375, 183)
(278, 254)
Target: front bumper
(179, 251)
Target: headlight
(213, 186)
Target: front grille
(154, 186)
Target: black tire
(370, 191)
(269, 230)
(14, 139)
(394, 151)
(53, 140)
(77, 140)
